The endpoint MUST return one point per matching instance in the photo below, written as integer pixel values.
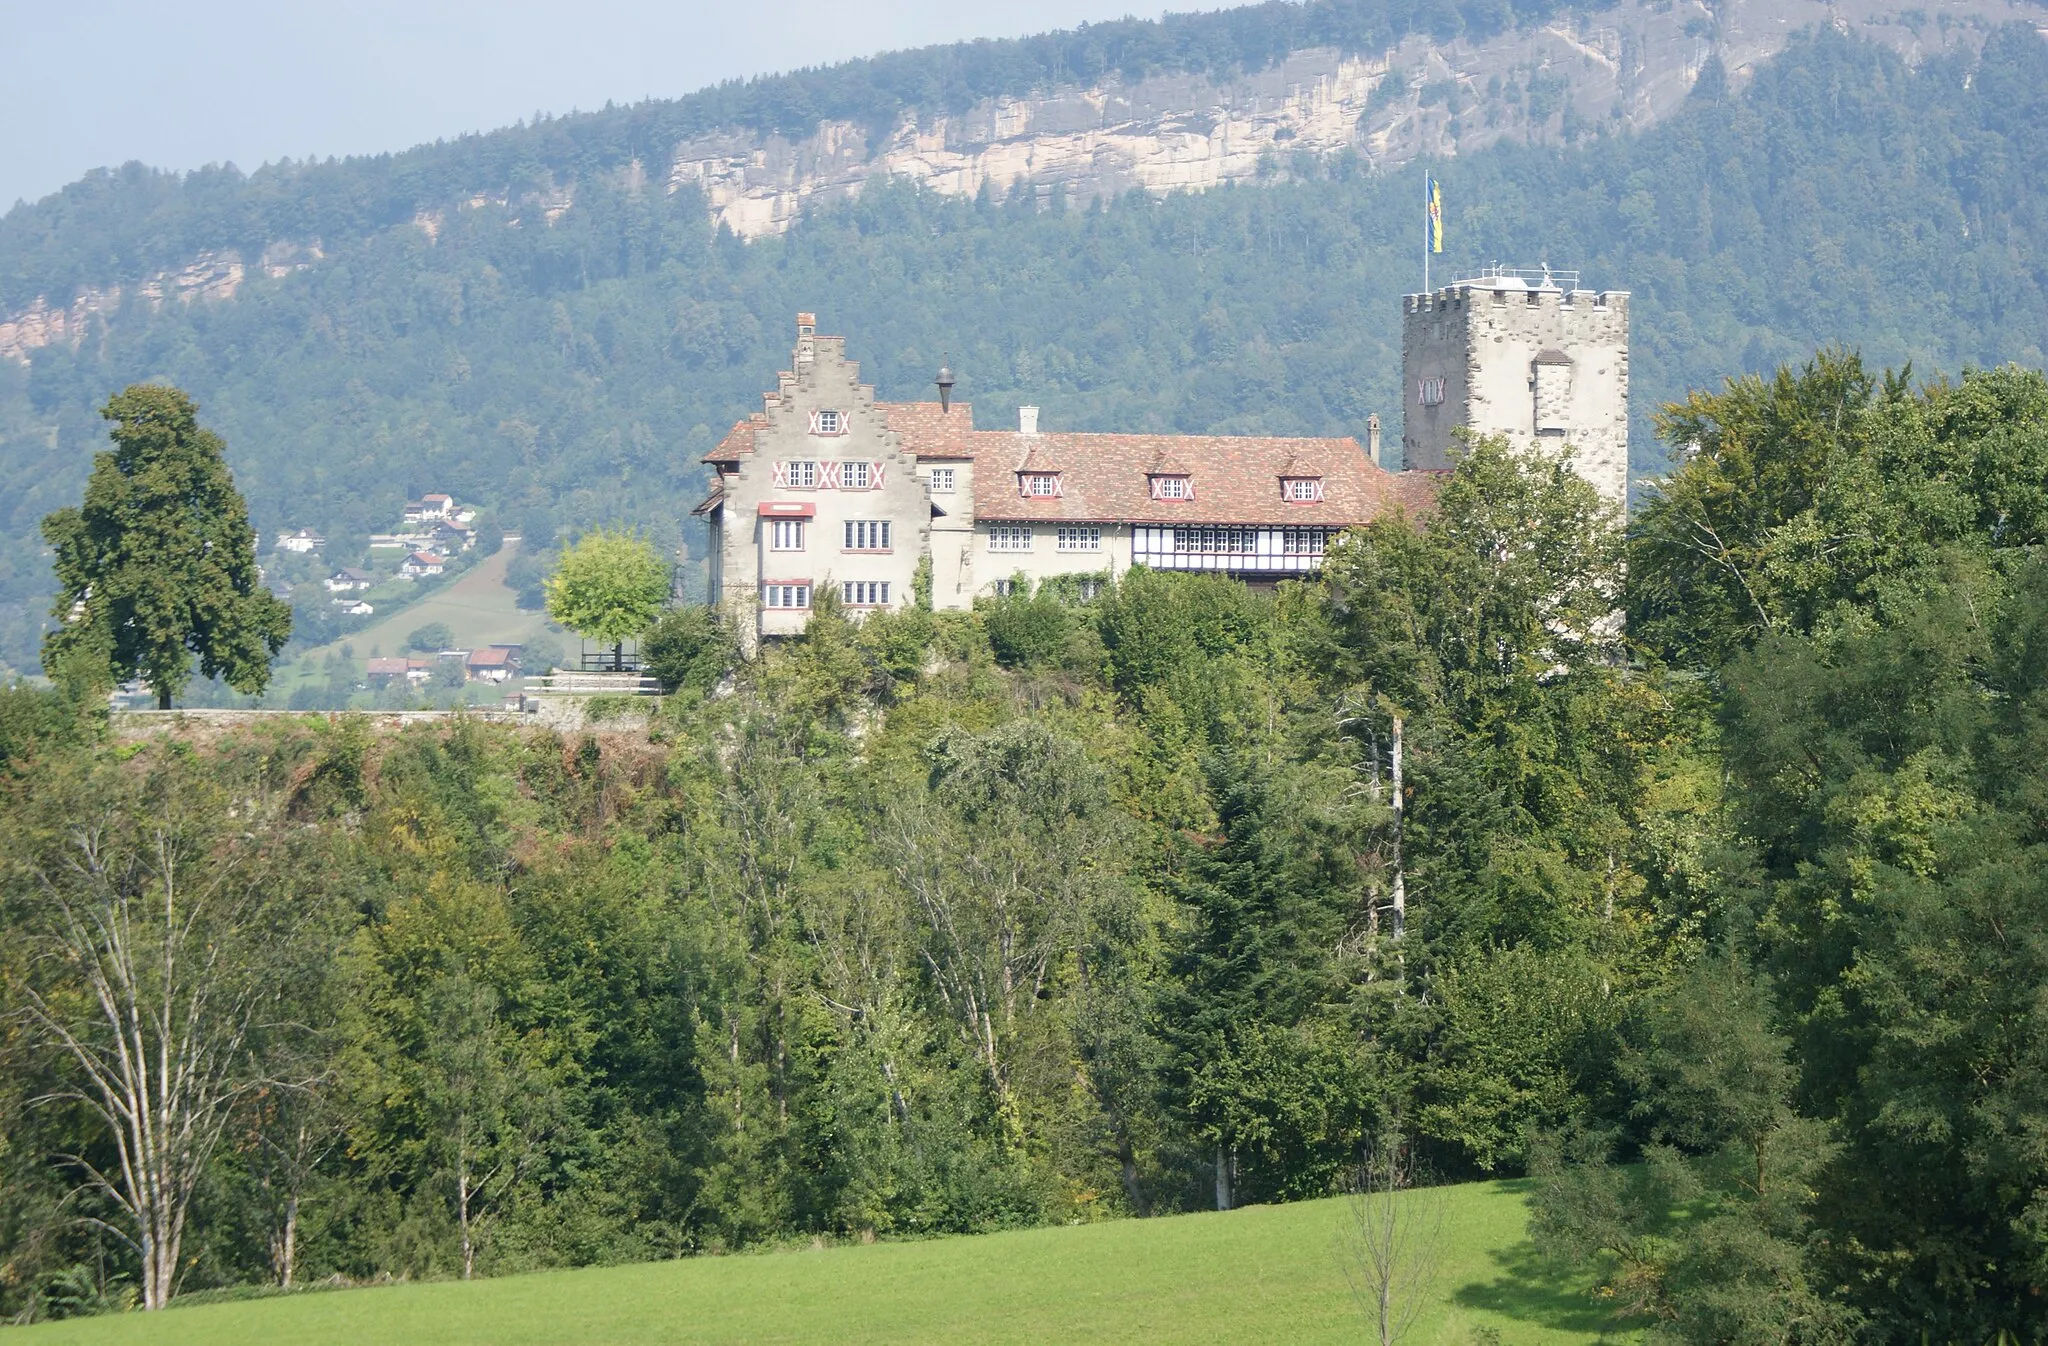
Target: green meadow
(1264, 1273)
(477, 607)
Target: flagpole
(1428, 229)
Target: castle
(1526, 354)
(827, 486)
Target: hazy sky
(95, 82)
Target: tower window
(828, 423)
(1551, 382)
(1431, 391)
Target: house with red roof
(493, 663)
(826, 488)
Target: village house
(448, 535)
(350, 580)
(827, 486)
(420, 564)
(304, 541)
(428, 508)
(493, 663)
(352, 607)
(381, 672)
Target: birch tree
(1004, 872)
(153, 917)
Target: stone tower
(1525, 354)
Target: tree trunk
(1400, 815)
(1222, 1179)
(462, 1195)
(163, 697)
(288, 1247)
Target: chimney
(1372, 439)
(1027, 420)
(806, 340)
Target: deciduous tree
(609, 586)
(159, 925)
(159, 563)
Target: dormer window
(828, 422)
(1173, 486)
(1038, 484)
(1301, 490)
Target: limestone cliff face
(210, 275)
(1625, 66)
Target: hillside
(566, 359)
(1264, 1273)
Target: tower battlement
(1526, 354)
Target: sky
(100, 82)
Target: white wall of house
(996, 557)
(827, 446)
(950, 484)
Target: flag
(1436, 213)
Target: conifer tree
(159, 564)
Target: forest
(571, 374)
(115, 225)
(1725, 921)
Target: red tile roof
(1235, 478)
(930, 433)
(739, 439)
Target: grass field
(1266, 1273)
(478, 608)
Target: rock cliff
(1614, 68)
(1317, 112)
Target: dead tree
(1391, 1244)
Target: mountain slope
(573, 370)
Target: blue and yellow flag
(1436, 213)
